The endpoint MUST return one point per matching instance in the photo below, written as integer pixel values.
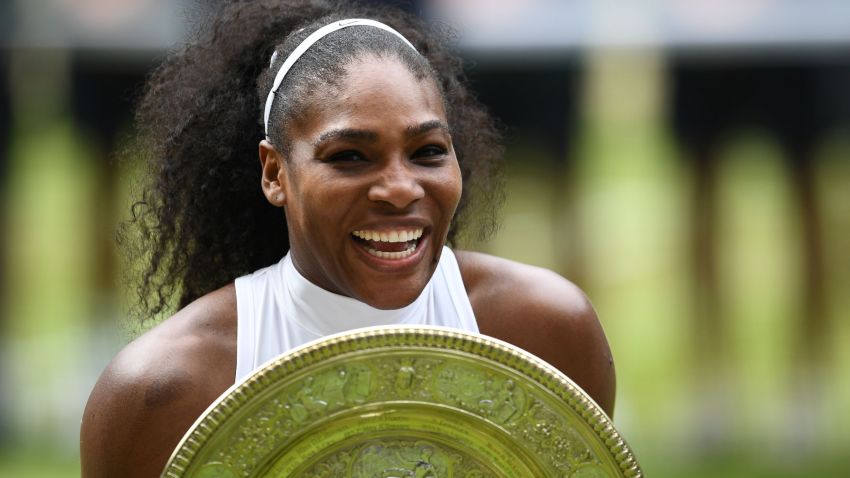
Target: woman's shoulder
(516, 285)
(155, 388)
(544, 313)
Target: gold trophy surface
(399, 402)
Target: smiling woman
(373, 156)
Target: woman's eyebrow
(372, 136)
(346, 133)
(425, 127)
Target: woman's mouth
(390, 244)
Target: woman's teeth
(393, 255)
(390, 241)
(389, 236)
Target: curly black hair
(201, 219)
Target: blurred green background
(726, 310)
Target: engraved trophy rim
(394, 337)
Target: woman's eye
(430, 152)
(346, 157)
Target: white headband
(307, 43)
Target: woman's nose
(396, 185)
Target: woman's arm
(154, 389)
(545, 314)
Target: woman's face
(370, 184)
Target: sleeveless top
(278, 310)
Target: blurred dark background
(686, 163)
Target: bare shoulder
(542, 312)
(155, 388)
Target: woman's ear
(274, 174)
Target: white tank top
(278, 310)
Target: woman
(371, 154)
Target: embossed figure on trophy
(358, 387)
(420, 459)
(589, 472)
(336, 465)
(424, 466)
(334, 385)
(420, 470)
(510, 403)
(412, 467)
(579, 451)
(305, 402)
(404, 377)
(464, 387)
(445, 385)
